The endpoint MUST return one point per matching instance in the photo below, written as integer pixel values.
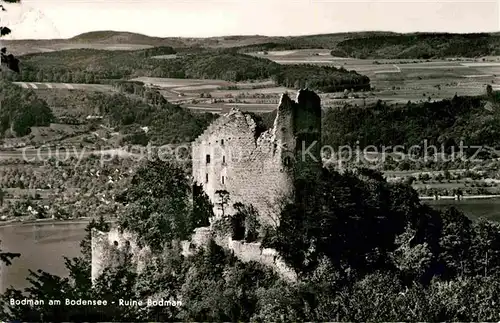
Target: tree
(224, 197)
(203, 208)
(85, 244)
(7, 257)
(2, 196)
(7, 59)
(159, 208)
(489, 90)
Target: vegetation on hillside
(419, 45)
(446, 123)
(20, 110)
(364, 250)
(167, 123)
(89, 65)
(159, 207)
(323, 41)
(321, 78)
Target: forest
(418, 46)
(446, 122)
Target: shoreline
(462, 198)
(86, 220)
(16, 222)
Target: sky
(205, 18)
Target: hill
(111, 40)
(119, 37)
(419, 45)
(444, 124)
(113, 37)
(373, 45)
(24, 110)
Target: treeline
(20, 110)
(419, 46)
(94, 66)
(321, 41)
(321, 78)
(274, 46)
(88, 65)
(442, 123)
(363, 250)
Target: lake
(474, 209)
(42, 246)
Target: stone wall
(103, 247)
(103, 241)
(269, 257)
(229, 157)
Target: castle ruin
(255, 166)
(259, 167)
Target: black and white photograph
(249, 161)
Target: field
(65, 86)
(216, 96)
(403, 80)
(394, 81)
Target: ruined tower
(298, 128)
(259, 167)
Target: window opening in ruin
(208, 159)
(287, 161)
(223, 159)
(127, 246)
(206, 178)
(222, 142)
(222, 179)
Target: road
(60, 153)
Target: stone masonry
(259, 167)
